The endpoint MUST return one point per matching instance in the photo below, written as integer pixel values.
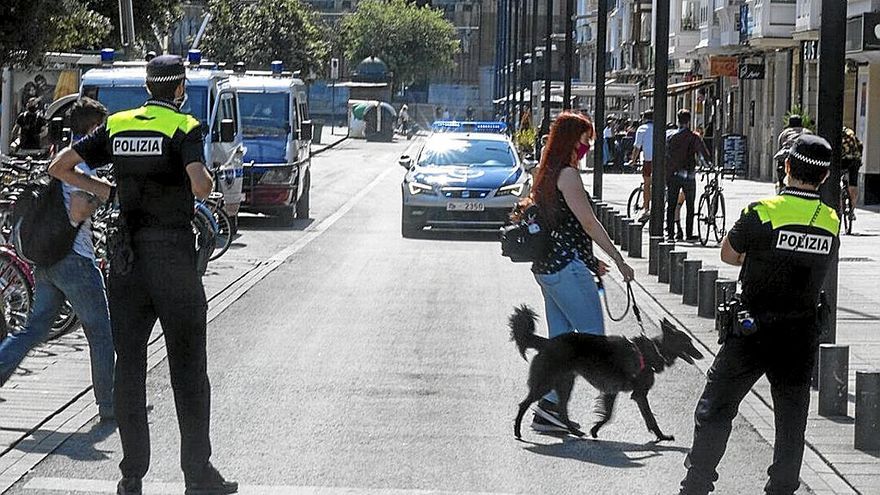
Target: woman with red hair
(567, 275)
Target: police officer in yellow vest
(784, 245)
(157, 154)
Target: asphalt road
(367, 363)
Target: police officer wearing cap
(785, 245)
(157, 153)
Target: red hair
(565, 136)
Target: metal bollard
(867, 436)
(833, 379)
(663, 262)
(618, 228)
(706, 292)
(724, 291)
(597, 205)
(601, 212)
(624, 234)
(676, 271)
(609, 223)
(634, 236)
(689, 286)
(653, 253)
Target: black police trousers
(163, 284)
(785, 352)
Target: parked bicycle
(712, 210)
(635, 204)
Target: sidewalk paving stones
(831, 463)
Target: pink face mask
(582, 150)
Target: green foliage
(153, 20)
(80, 28)
(414, 41)
(805, 117)
(525, 139)
(265, 30)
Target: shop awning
(680, 88)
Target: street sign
(723, 66)
(751, 71)
(334, 69)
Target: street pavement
(345, 359)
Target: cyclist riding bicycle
(851, 162)
(787, 137)
(644, 147)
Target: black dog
(611, 364)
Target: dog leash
(630, 303)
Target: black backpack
(42, 232)
(525, 240)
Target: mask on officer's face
(180, 101)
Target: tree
(414, 41)
(153, 20)
(63, 26)
(265, 30)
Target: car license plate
(465, 206)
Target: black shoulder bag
(527, 239)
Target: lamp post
(661, 76)
(569, 55)
(832, 62)
(515, 60)
(548, 67)
(601, 34)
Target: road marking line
(152, 488)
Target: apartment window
(689, 12)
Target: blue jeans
(77, 279)
(571, 302)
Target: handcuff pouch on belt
(120, 253)
(735, 319)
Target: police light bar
(469, 126)
(194, 57)
(277, 67)
(107, 56)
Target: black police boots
(129, 486)
(210, 483)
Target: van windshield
(120, 98)
(264, 114)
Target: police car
(467, 175)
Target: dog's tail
(522, 330)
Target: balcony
(808, 17)
(684, 29)
(769, 23)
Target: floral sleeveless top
(567, 239)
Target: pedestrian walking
(785, 245)
(682, 148)
(157, 153)
(75, 278)
(567, 276)
(643, 147)
(850, 163)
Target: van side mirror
(305, 130)
(227, 131)
(405, 161)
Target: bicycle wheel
(704, 219)
(66, 322)
(223, 238)
(719, 217)
(634, 205)
(16, 295)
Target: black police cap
(166, 68)
(811, 150)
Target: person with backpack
(74, 277)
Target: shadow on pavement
(271, 223)
(79, 446)
(604, 452)
(457, 235)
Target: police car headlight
(419, 188)
(277, 176)
(511, 190)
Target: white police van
(278, 137)
(209, 97)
